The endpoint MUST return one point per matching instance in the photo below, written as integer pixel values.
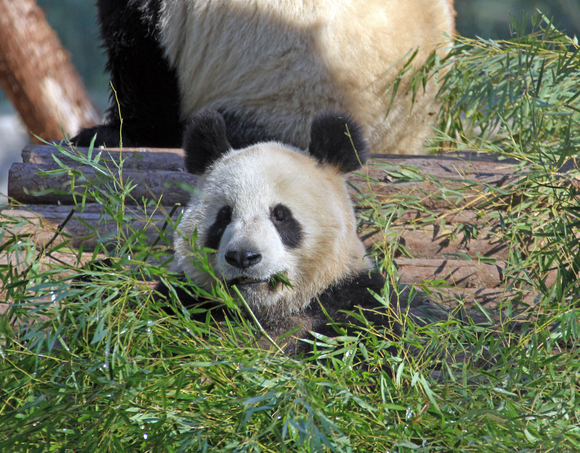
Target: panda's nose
(243, 259)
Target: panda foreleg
(144, 89)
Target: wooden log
(435, 251)
(26, 186)
(89, 227)
(487, 298)
(444, 192)
(458, 273)
(464, 162)
(168, 159)
(427, 242)
(461, 172)
(56, 258)
(41, 221)
(412, 217)
(463, 274)
(37, 75)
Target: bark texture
(37, 75)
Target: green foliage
(521, 100)
(89, 362)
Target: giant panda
(271, 209)
(268, 66)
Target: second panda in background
(268, 66)
(272, 210)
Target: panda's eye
(280, 213)
(216, 231)
(288, 227)
(224, 216)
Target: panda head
(271, 209)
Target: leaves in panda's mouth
(280, 278)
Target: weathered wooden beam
(91, 226)
(458, 273)
(54, 258)
(161, 175)
(170, 159)
(26, 186)
(487, 298)
(463, 162)
(86, 227)
(428, 242)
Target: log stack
(443, 202)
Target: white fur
(281, 61)
(252, 181)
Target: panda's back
(278, 62)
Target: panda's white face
(268, 210)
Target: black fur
(287, 226)
(245, 130)
(204, 141)
(146, 85)
(348, 296)
(330, 144)
(216, 231)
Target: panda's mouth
(243, 281)
(254, 284)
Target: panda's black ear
(204, 140)
(330, 144)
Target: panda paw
(106, 135)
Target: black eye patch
(216, 231)
(288, 227)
